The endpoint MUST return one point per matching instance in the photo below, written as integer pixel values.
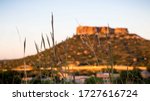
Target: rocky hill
(92, 49)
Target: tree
(10, 77)
(127, 77)
(94, 80)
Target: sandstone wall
(121, 31)
(86, 30)
(106, 30)
(100, 30)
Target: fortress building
(81, 30)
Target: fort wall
(100, 30)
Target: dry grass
(78, 68)
(23, 68)
(99, 68)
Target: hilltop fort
(81, 30)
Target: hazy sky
(32, 17)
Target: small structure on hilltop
(82, 30)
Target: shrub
(93, 80)
(10, 77)
(133, 77)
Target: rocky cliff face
(100, 30)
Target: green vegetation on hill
(90, 50)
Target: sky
(20, 19)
